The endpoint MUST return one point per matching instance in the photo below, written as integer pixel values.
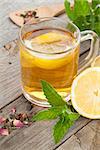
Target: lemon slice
(96, 62)
(49, 37)
(85, 93)
(47, 61)
(52, 63)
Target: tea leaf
(53, 97)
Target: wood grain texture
(36, 137)
(8, 30)
(9, 74)
(42, 11)
(88, 138)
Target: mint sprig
(59, 110)
(84, 14)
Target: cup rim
(59, 19)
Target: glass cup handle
(94, 48)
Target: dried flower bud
(14, 121)
(18, 123)
(2, 120)
(4, 131)
(34, 13)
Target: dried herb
(14, 121)
(28, 15)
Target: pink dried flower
(18, 116)
(4, 131)
(2, 120)
(24, 115)
(18, 123)
(13, 121)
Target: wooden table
(9, 31)
(84, 135)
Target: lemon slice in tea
(49, 37)
(49, 43)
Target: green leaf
(80, 8)
(73, 116)
(50, 114)
(53, 97)
(97, 10)
(95, 3)
(97, 28)
(60, 129)
(68, 109)
(86, 18)
(83, 22)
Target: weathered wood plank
(9, 74)
(88, 138)
(36, 137)
(8, 30)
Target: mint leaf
(63, 125)
(73, 116)
(80, 8)
(53, 97)
(50, 114)
(83, 22)
(84, 14)
(97, 10)
(97, 28)
(95, 3)
(61, 128)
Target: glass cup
(49, 50)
